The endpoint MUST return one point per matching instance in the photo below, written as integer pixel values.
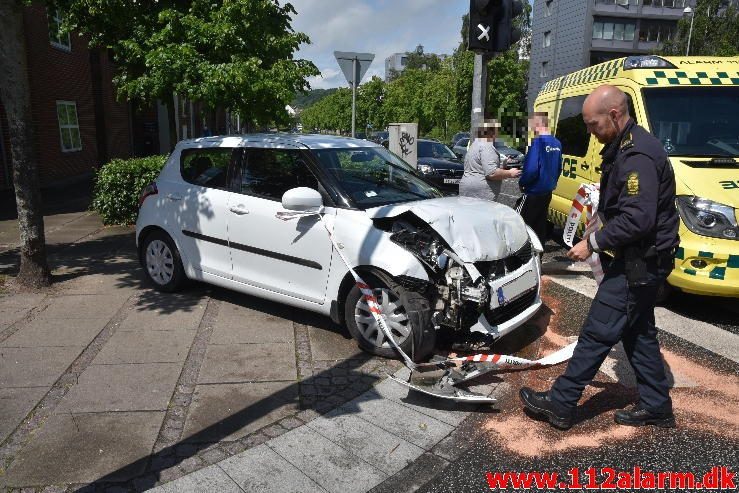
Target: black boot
(540, 403)
(637, 416)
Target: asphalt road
(705, 397)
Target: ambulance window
(571, 129)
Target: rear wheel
(162, 262)
(406, 313)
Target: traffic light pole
(479, 92)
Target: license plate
(452, 181)
(503, 294)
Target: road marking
(705, 335)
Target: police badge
(632, 183)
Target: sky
(382, 27)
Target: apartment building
(568, 35)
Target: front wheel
(406, 313)
(162, 262)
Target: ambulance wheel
(406, 313)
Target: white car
(433, 261)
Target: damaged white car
(212, 215)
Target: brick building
(78, 123)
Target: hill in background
(304, 99)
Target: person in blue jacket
(541, 169)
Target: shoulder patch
(632, 183)
(628, 142)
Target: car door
(202, 208)
(289, 257)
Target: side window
(571, 130)
(269, 173)
(207, 167)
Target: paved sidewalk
(107, 385)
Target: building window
(613, 30)
(548, 8)
(547, 39)
(404, 61)
(69, 127)
(544, 69)
(653, 31)
(672, 4)
(57, 36)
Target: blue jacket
(541, 166)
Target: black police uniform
(637, 207)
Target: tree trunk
(172, 122)
(15, 94)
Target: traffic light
(504, 32)
(483, 16)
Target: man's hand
(579, 252)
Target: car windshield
(435, 150)
(501, 146)
(373, 176)
(695, 121)
(462, 143)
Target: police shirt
(637, 194)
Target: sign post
(354, 66)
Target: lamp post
(689, 11)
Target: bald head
(606, 98)
(606, 112)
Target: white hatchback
(432, 261)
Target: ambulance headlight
(708, 218)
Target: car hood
(477, 230)
(440, 163)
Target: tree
(15, 95)
(233, 54)
(715, 31)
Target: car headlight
(708, 218)
(426, 169)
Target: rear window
(206, 167)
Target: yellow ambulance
(691, 104)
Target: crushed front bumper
(514, 299)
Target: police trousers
(620, 313)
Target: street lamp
(689, 11)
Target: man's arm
(637, 204)
(531, 165)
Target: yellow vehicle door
(579, 158)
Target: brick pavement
(107, 385)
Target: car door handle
(239, 209)
(597, 169)
(174, 197)
(585, 166)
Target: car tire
(405, 308)
(162, 262)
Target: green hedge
(118, 185)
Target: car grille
(515, 307)
(450, 173)
(498, 268)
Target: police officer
(637, 208)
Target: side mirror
(302, 199)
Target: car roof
(311, 141)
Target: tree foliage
(229, 53)
(715, 31)
(438, 98)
